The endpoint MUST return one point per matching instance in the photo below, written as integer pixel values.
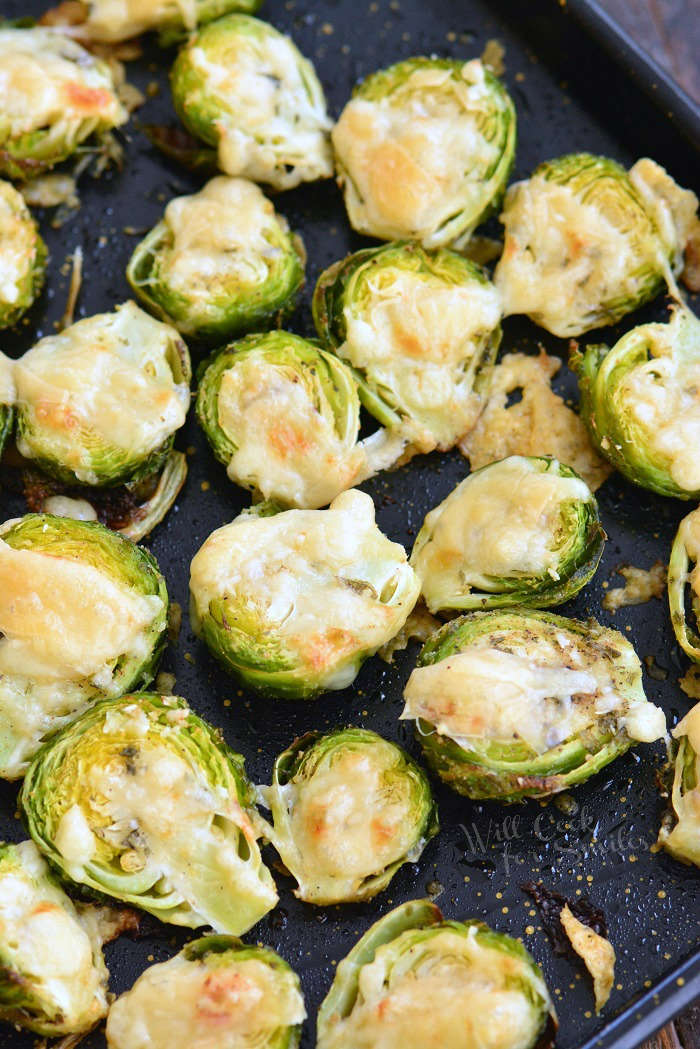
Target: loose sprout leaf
(550, 903)
(597, 953)
(680, 827)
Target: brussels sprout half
(520, 704)
(582, 247)
(349, 809)
(24, 256)
(53, 979)
(141, 800)
(244, 88)
(221, 262)
(641, 403)
(215, 991)
(421, 328)
(294, 603)
(684, 551)
(83, 615)
(55, 96)
(424, 150)
(99, 404)
(415, 979)
(109, 22)
(283, 415)
(521, 531)
(680, 829)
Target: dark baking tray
(570, 95)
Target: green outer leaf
(678, 579)
(582, 543)
(7, 416)
(151, 513)
(407, 926)
(513, 771)
(328, 381)
(342, 285)
(621, 440)
(247, 307)
(112, 465)
(55, 781)
(300, 762)
(498, 122)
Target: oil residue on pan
(600, 842)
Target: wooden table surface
(670, 31)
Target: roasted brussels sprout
(23, 256)
(244, 88)
(416, 980)
(522, 531)
(83, 615)
(220, 262)
(641, 403)
(111, 21)
(684, 552)
(582, 246)
(349, 809)
(216, 992)
(141, 800)
(424, 150)
(422, 329)
(283, 416)
(680, 829)
(53, 979)
(55, 96)
(520, 704)
(7, 398)
(294, 603)
(99, 404)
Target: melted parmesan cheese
(420, 338)
(285, 447)
(501, 522)
(164, 821)
(114, 20)
(62, 619)
(550, 691)
(416, 158)
(270, 120)
(221, 239)
(475, 995)
(674, 208)
(663, 396)
(563, 259)
(104, 381)
(349, 820)
(18, 243)
(184, 1004)
(683, 839)
(43, 938)
(317, 580)
(46, 79)
(7, 380)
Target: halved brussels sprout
(686, 550)
(520, 704)
(53, 979)
(111, 21)
(99, 404)
(415, 980)
(219, 263)
(582, 246)
(55, 96)
(244, 88)
(293, 604)
(218, 992)
(680, 829)
(522, 531)
(141, 800)
(422, 329)
(8, 394)
(424, 150)
(23, 255)
(83, 615)
(284, 417)
(641, 403)
(349, 809)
